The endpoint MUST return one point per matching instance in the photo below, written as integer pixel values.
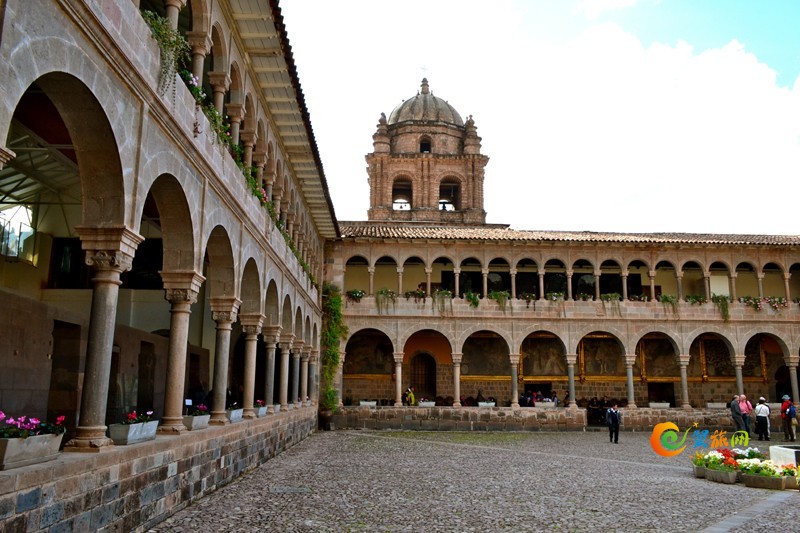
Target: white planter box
(427, 404)
(23, 452)
(717, 405)
(486, 404)
(364, 403)
(132, 433)
(260, 411)
(234, 415)
(659, 405)
(277, 407)
(196, 422)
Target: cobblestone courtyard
(418, 481)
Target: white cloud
(592, 9)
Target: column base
(90, 440)
(515, 405)
(171, 426)
(219, 419)
(456, 404)
(631, 406)
(687, 406)
(398, 404)
(271, 409)
(250, 414)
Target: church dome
(425, 107)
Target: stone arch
(287, 327)
(542, 353)
(467, 332)
(251, 289)
(615, 332)
(236, 89)
(272, 310)
(307, 331)
(219, 49)
(368, 367)
(298, 324)
(220, 276)
(677, 345)
(262, 146)
(627, 264)
(691, 336)
(452, 193)
(175, 219)
(404, 336)
(201, 15)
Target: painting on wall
(602, 357)
(718, 359)
(543, 357)
(368, 354)
(485, 356)
(660, 359)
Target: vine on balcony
(721, 301)
(173, 46)
(501, 297)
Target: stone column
(223, 311)
(652, 275)
(792, 365)
(399, 281)
(572, 358)
(173, 8)
(283, 389)
(236, 114)
(340, 378)
(271, 334)
(428, 272)
(597, 286)
(456, 378)
(679, 279)
(513, 274)
(181, 289)
(624, 277)
(485, 275)
(541, 284)
(371, 291)
(249, 139)
(707, 285)
(220, 81)
(297, 352)
(569, 285)
(738, 363)
(629, 361)
(313, 376)
(110, 252)
(200, 43)
(398, 378)
(732, 285)
(514, 360)
(683, 362)
(760, 278)
(786, 291)
(456, 275)
(304, 357)
(251, 326)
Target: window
(425, 145)
(402, 195)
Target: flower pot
(721, 476)
(260, 411)
(790, 482)
(427, 404)
(23, 452)
(133, 433)
(763, 482)
(364, 403)
(234, 415)
(699, 471)
(193, 422)
(486, 404)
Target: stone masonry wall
(131, 488)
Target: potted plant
(528, 297)
(260, 407)
(197, 418)
(762, 474)
(721, 467)
(699, 465)
(354, 295)
(333, 332)
(28, 440)
(442, 298)
(425, 402)
(234, 412)
(473, 298)
(501, 297)
(384, 297)
(789, 473)
(135, 427)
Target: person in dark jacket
(736, 413)
(613, 420)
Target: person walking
(746, 407)
(788, 414)
(762, 419)
(412, 400)
(613, 420)
(736, 413)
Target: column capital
(733, 275)
(792, 361)
(235, 111)
(513, 272)
(249, 138)
(399, 270)
(219, 80)
(109, 248)
(286, 340)
(200, 41)
(297, 345)
(398, 356)
(683, 359)
(251, 323)
(572, 358)
(259, 158)
(738, 360)
(456, 271)
(271, 334)
(178, 4)
(181, 286)
(456, 357)
(630, 359)
(651, 273)
(6, 155)
(513, 358)
(786, 275)
(224, 309)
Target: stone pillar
(732, 285)
(792, 365)
(541, 284)
(399, 281)
(181, 289)
(624, 277)
(629, 361)
(173, 8)
(738, 363)
(760, 278)
(236, 114)
(513, 274)
(485, 275)
(223, 311)
(514, 360)
(456, 275)
(428, 272)
(371, 271)
(297, 352)
(110, 252)
(707, 285)
(786, 291)
(679, 279)
(251, 326)
(220, 81)
(340, 378)
(283, 389)
(571, 360)
(200, 43)
(456, 378)
(313, 376)
(398, 378)
(569, 285)
(597, 286)
(683, 362)
(652, 275)
(304, 357)
(271, 334)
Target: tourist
(566, 399)
(554, 399)
(788, 417)
(736, 413)
(747, 408)
(762, 419)
(411, 399)
(613, 420)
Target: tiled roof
(356, 230)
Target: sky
(597, 115)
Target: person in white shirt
(762, 419)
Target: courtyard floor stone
(398, 481)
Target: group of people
(530, 398)
(742, 411)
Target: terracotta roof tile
(408, 231)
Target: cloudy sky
(598, 115)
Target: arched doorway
(423, 376)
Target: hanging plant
(442, 298)
(473, 298)
(611, 298)
(383, 297)
(333, 332)
(173, 46)
(721, 301)
(501, 297)
(696, 299)
(671, 300)
(418, 294)
(528, 297)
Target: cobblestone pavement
(399, 481)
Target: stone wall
(131, 488)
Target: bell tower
(426, 165)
